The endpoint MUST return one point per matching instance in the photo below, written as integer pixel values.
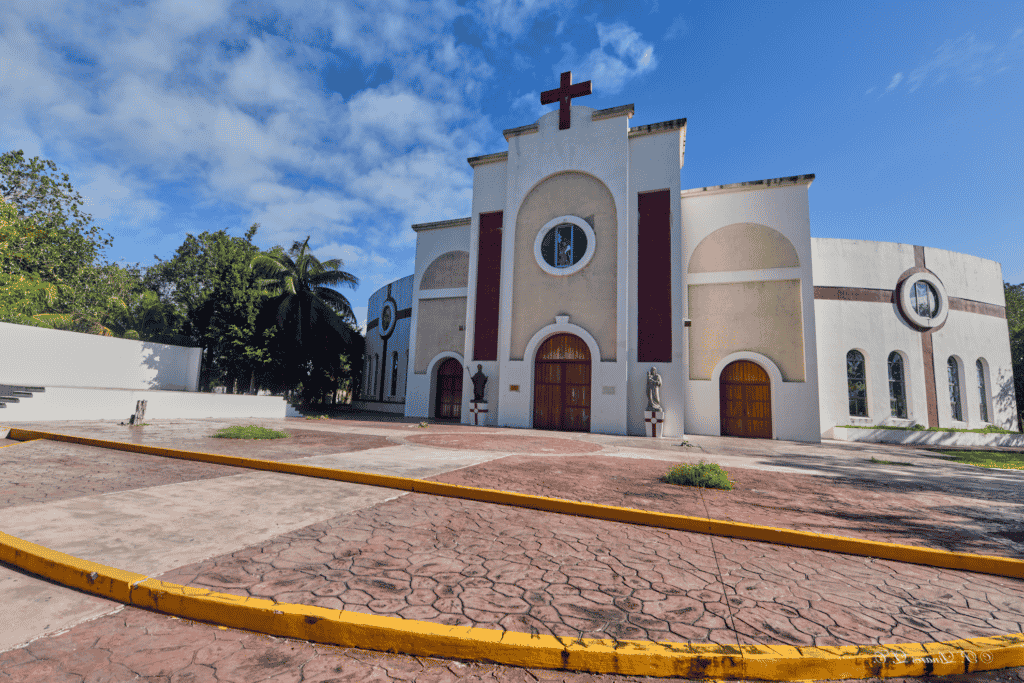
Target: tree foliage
(315, 322)
(1015, 323)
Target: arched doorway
(561, 385)
(448, 402)
(746, 401)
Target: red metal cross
(562, 94)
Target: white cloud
(630, 56)
(966, 59)
(677, 29)
(894, 82)
(514, 17)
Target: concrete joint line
(629, 657)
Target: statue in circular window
(564, 245)
(388, 317)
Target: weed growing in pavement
(992, 459)
(423, 424)
(704, 474)
(891, 462)
(250, 432)
(317, 417)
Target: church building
(584, 264)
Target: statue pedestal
(654, 421)
(476, 409)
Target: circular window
(923, 301)
(564, 245)
(388, 316)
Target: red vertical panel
(488, 287)
(654, 277)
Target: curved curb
(426, 639)
(419, 638)
(943, 559)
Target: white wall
(35, 356)
(78, 403)
(782, 207)
(431, 243)
(877, 329)
(401, 292)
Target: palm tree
(309, 313)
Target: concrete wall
(588, 295)
(36, 356)
(436, 335)
(877, 329)
(780, 205)
(401, 292)
(78, 403)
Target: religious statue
(479, 382)
(653, 390)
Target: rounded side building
(386, 358)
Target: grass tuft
(317, 417)
(704, 474)
(991, 459)
(250, 432)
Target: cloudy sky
(349, 122)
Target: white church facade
(584, 264)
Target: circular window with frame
(388, 318)
(564, 245)
(923, 301)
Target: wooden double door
(561, 385)
(448, 401)
(746, 401)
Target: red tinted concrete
(503, 443)
(464, 562)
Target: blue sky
(350, 123)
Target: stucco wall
(438, 330)
(401, 292)
(41, 357)
(450, 269)
(877, 329)
(744, 246)
(589, 295)
(763, 317)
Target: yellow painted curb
(426, 639)
(944, 559)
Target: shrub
(250, 432)
(704, 474)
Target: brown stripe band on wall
(404, 313)
(372, 324)
(918, 257)
(929, 379)
(968, 306)
(882, 296)
(886, 296)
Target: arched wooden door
(561, 385)
(448, 402)
(746, 401)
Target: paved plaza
(381, 551)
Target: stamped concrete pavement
(379, 551)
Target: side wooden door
(448, 403)
(745, 396)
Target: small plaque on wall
(608, 391)
(513, 387)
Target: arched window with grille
(983, 391)
(394, 372)
(857, 383)
(954, 389)
(897, 386)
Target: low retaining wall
(380, 406)
(82, 403)
(925, 438)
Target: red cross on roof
(562, 94)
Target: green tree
(1015, 323)
(208, 287)
(315, 321)
(51, 255)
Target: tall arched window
(954, 389)
(897, 387)
(394, 372)
(982, 390)
(857, 383)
